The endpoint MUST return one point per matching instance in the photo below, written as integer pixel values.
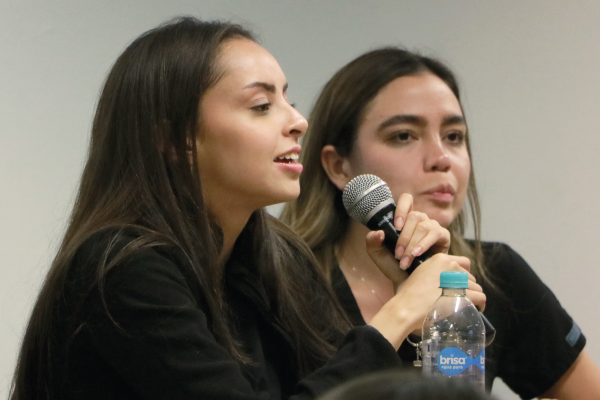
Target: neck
(370, 287)
(231, 222)
(230, 235)
(352, 250)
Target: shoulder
(118, 263)
(501, 260)
(515, 278)
(109, 249)
(510, 273)
(497, 251)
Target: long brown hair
(140, 181)
(318, 215)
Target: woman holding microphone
(397, 115)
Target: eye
(401, 137)
(261, 108)
(456, 137)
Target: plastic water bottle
(453, 343)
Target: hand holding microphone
(369, 200)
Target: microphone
(368, 199)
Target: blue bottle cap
(454, 280)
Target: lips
(444, 188)
(442, 193)
(288, 161)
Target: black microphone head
(363, 194)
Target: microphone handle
(383, 220)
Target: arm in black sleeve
(363, 350)
(541, 341)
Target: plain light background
(530, 78)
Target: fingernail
(417, 251)
(399, 222)
(399, 251)
(405, 262)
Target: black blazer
(157, 343)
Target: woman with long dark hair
(172, 282)
(397, 114)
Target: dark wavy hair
(141, 180)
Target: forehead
(242, 61)
(415, 94)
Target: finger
(426, 234)
(384, 260)
(437, 240)
(475, 286)
(409, 237)
(403, 207)
(478, 298)
(463, 262)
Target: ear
(336, 167)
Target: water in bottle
(453, 343)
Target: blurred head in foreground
(404, 385)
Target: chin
(443, 217)
(291, 196)
(283, 196)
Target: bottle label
(452, 361)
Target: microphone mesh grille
(357, 187)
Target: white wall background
(530, 77)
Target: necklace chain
(417, 362)
(366, 283)
(360, 276)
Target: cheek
(229, 138)
(463, 171)
(378, 160)
(398, 167)
(398, 170)
(462, 174)
(219, 152)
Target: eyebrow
(454, 119)
(266, 86)
(417, 120)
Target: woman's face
(413, 137)
(248, 142)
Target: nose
(436, 156)
(297, 125)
